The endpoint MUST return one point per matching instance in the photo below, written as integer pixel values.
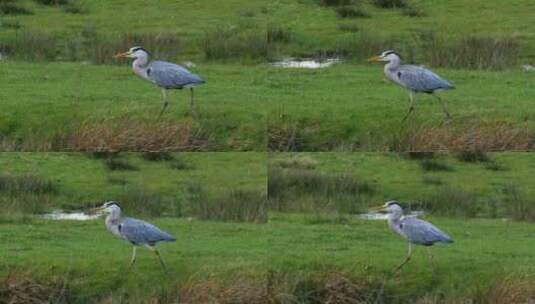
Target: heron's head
(134, 52)
(391, 207)
(386, 56)
(108, 208)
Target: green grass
(468, 189)
(351, 107)
(483, 250)
(315, 27)
(295, 255)
(93, 263)
(97, 107)
(64, 106)
(69, 105)
(82, 180)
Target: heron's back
(171, 76)
(421, 80)
(421, 232)
(139, 232)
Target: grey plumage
(415, 79)
(137, 232)
(166, 75)
(421, 232)
(171, 76)
(414, 230)
(421, 80)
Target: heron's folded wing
(171, 76)
(421, 79)
(141, 232)
(422, 232)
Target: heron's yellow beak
(378, 208)
(375, 58)
(122, 55)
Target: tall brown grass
(331, 287)
(472, 136)
(20, 287)
(130, 135)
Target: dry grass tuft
(298, 162)
(129, 135)
(21, 288)
(240, 291)
(479, 136)
(510, 289)
(237, 206)
(333, 287)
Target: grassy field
(313, 28)
(350, 107)
(56, 98)
(73, 106)
(288, 260)
(464, 184)
(321, 253)
(484, 252)
(38, 182)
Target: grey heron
(414, 230)
(137, 232)
(414, 78)
(166, 75)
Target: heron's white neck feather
(394, 222)
(140, 66)
(112, 222)
(391, 70)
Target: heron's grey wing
(420, 79)
(141, 232)
(171, 76)
(422, 232)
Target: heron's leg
(191, 100)
(444, 108)
(407, 259)
(430, 256)
(192, 103)
(157, 253)
(133, 260)
(165, 103)
(411, 106)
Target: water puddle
(374, 216)
(528, 68)
(72, 216)
(303, 63)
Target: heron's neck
(394, 222)
(113, 216)
(393, 64)
(112, 223)
(140, 66)
(141, 61)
